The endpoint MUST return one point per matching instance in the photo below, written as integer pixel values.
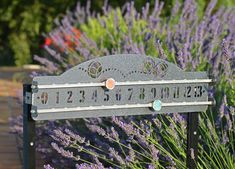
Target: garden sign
(116, 85)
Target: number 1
(57, 97)
(154, 92)
(94, 96)
(176, 92)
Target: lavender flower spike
(48, 167)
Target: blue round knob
(157, 105)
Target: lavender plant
(193, 42)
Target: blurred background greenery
(22, 23)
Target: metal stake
(28, 131)
(192, 141)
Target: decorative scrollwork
(159, 69)
(149, 65)
(94, 69)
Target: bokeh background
(24, 22)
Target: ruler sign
(119, 85)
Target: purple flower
(225, 138)
(148, 36)
(48, 166)
(115, 155)
(131, 156)
(154, 152)
(97, 129)
(181, 60)
(75, 136)
(192, 153)
(160, 49)
(65, 153)
(114, 134)
(178, 118)
(171, 161)
(50, 66)
(210, 7)
(89, 166)
(158, 123)
(61, 137)
(223, 107)
(145, 11)
(151, 166)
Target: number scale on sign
(119, 85)
(122, 95)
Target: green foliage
(109, 36)
(21, 77)
(20, 43)
(31, 18)
(217, 142)
(26, 20)
(97, 32)
(22, 23)
(201, 7)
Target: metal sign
(119, 85)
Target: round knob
(110, 83)
(157, 105)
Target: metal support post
(28, 130)
(192, 140)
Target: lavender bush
(204, 43)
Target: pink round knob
(110, 83)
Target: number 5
(106, 95)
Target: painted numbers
(123, 94)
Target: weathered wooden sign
(116, 85)
(119, 85)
